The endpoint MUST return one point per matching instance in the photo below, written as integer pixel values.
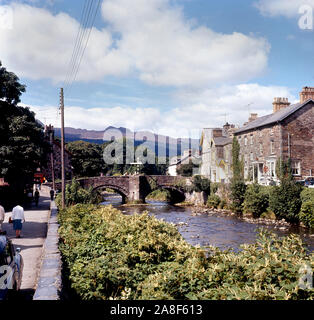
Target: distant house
(187, 157)
(287, 133)
(216, 146)
(54, 163)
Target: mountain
(172, 146)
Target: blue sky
(170, 66)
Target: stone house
(287, 133)
(216, 146)
(53, 162)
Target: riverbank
(282, 224)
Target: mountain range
(159, 143)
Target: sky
(169, 66)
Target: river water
(214, 229)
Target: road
(31, 243)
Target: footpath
(33, 236)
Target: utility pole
(52, 160)
(62, 147)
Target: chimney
(253, 116)
(280, 103)
(306, 94)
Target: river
(214, 229)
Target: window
(296, 168)
(251, 156)
(271, 131)
(261, 149)
(245, 140)
(272, 147)
(252, 139)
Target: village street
(31, 243)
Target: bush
(256, 200)
(307, 194)
(238, 189)
(201, 184)
(213, 201)
(110, 255)
(285, 201)
(75, 194)
(307, 213)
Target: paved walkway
(31, 242)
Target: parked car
(11, 267)
(309, 182)
(301, 182)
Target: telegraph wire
(76, 43)
(86, 43)
(81, 37)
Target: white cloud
(40, 46)
(156, 43)
(166, 49)
(287, 8)
(201, 109)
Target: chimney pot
(280, 103)
(306, 94)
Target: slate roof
(274, 117)
(222, 141)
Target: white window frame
(296, 167)
(272, 146)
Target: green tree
(256, 200)
(87, 160)
(22, 143)
(238, 186)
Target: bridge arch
(176, 195)
(121, 191)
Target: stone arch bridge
(137, 188)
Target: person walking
(36, 196)
(2, 215)
(18, 219)
(52, 194)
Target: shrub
(201, 184)
(307, 194)
(110, 255)
(75, 194)
(213, 201)
(285, 201)
(307, 213)
(256, 200)
(223, 204)
(238, 189)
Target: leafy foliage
(201, 184)
(285, 200)
(213, 201)
(110, 255)
(238, 189)
(256, 200)
(75, 194)
(307, 213)
(185, 170)
(86, 158)
(22, 144)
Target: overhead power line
(88, 17)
